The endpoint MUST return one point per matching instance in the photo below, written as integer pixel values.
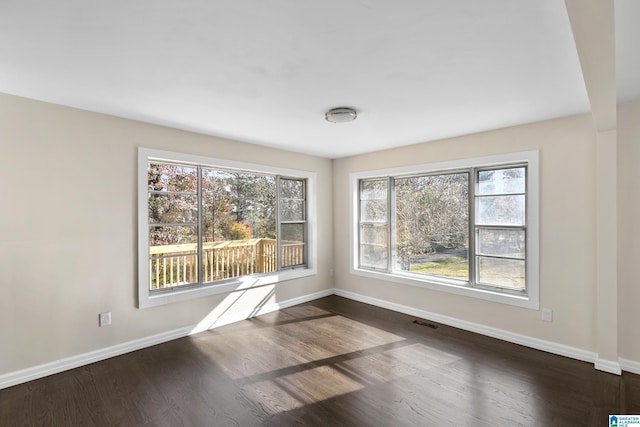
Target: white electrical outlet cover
(105, 318)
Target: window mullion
(391, 223)
(278, 226)
(200, 245)
(359, 224)
(472, 228)
(305, 232)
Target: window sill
(147, 299)
(504, 298)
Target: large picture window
(206, 225)
(466, 227)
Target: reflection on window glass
(374, 190)
(501, 242)
(291, 188)
(505, 273)
(292, 233)
(374, 256)
(501, 210)
(374, 227)
(292, 222)
(292, 210)
(502, 181)
(374, 234)
(500, 228)
(374, 210)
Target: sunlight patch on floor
(313, 385)
(302, 388)
(293, 344)
(399, 362)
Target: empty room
(337, 213)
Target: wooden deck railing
(174, 265)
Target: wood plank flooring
(331, 362)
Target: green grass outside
(455, 267)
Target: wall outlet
(104, 319)
(547, 315)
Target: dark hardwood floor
(331, 362)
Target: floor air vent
(425, 323)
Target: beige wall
(567, 230)
(68, 227)
(68, 231)
(629, 230)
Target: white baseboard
(40, 371)
(538, 344)
(630, 365)
(46, 369)
(610, 366)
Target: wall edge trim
(629, 365)
(610, 366)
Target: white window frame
(532, 298)
(150, 299)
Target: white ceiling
(266, 71)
